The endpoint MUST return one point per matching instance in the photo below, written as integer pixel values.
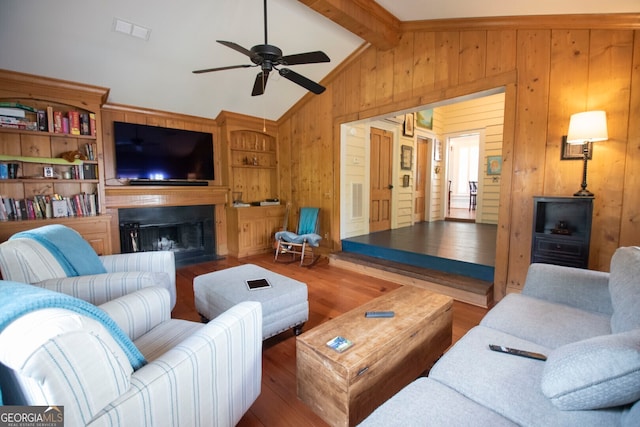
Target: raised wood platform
(462, 288)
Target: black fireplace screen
(188, 231)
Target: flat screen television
(155, 153)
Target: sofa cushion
(543, 322)
(600, 372)
(427, 402)
(624, 286)
(507, 384)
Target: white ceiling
(74, 40)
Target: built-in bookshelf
(50, 152)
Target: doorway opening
(421, 163)
(462, 176)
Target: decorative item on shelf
(71, 156)
(562, 227)
(585, 128)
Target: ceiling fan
(270, 58)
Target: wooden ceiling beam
(365, 18)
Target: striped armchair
(196, 374)
(28, 261)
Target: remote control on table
(517, 352)
(379, 314)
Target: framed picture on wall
(407, 129)
(437, 150)
(424, 119)
(494, 165)
(406, 155)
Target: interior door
(381, 184)
(420, 196)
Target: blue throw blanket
(73, 253)
(18, 299)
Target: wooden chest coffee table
(387, 354)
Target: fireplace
(187, 231)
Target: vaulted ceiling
(75, 40)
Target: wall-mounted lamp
(586, 127)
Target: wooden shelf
(254, 151)
(52, 180)
(34, 149)
(42, 133)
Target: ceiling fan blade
(305, 58)
(260, 84)
(310, 85)
(235, 46)
(230, 67)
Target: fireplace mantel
(124, 197)
(153, 196)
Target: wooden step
(469, 290)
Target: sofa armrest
(157, 261)
(100, 288)
(210, 378)
(139, 312)
(575, 287)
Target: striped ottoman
(284, 304)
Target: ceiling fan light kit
(269, 58)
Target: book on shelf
(12, 112)
(50, 124)
(85, 128)
(57, 121)
(10, 104)
(45, 206)
(74, 122)
(90, 150)
(89, 171)
(92, 124)
(41, 119)
(21, 209)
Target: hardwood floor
(332, 291)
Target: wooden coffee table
(387, 354)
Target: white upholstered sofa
(587, 323)
(194, 374)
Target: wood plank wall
(550, 69)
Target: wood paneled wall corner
(558, 70)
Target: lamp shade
(589, 126)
